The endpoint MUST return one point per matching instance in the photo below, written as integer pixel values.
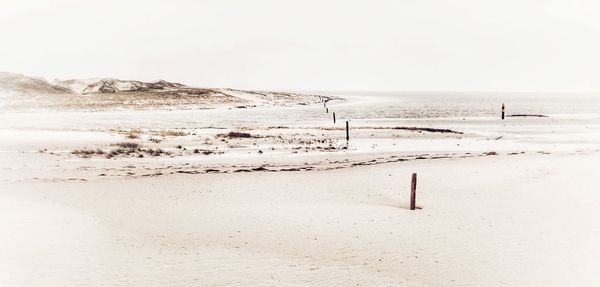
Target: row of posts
(334, 120)
(347, 124)
(413, 185)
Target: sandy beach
(276, 196)
(299, 143)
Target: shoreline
(277, 196)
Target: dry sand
(503, 203)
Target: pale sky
(468, 45)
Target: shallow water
(433, 105)
(360, 107)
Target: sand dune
(23, 93)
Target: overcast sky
(468, 45)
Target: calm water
(358, 106)
(431, 105)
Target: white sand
(527, 219)
(530, 221)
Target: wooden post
(334, 118)
(327, 110)
(502, 111)
(347, 132)
(413, 192)
(325, 104)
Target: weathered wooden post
(502, 111)
(347, 132)
(325, 104)
(413, 192)
(334, 118)
(326, 110)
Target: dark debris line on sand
(414, 129)
(431, 130)
(526, 115)
(323, 167)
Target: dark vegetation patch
(86, 153)
(261, 168)
(528, 115)
(205, 151)
(235, 135)
(123, 149)
(431, 130)
(414, 129)
(127, 145)
(171, 133)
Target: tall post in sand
(502, 111)
(347, 132)
(413, 192)
(327, 110)
(334, 118)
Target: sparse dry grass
(233, 135)
(137, 133)
(171, 133)
(129, 133)
(123, 149)
(86, 153)
(133, 135)
(204, 151)
(127, 145)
